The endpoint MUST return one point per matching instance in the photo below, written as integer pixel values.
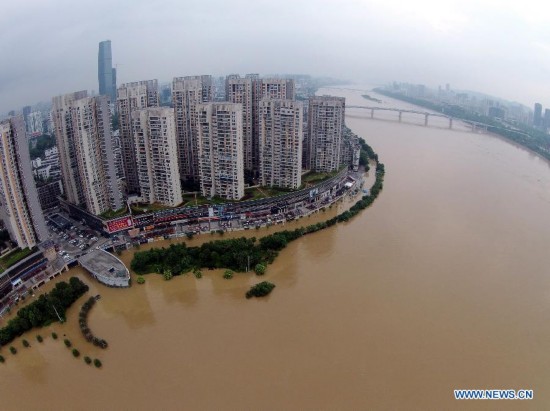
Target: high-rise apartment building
(325, 128)
(241, 90)
(546, 118)
(34, 123)
(26, 111)
(157, 155)
(131, 97)
(86, 152)
(277, 88)
(280, 143)
(537, 117)
(187, 93)
(106, 74)
(65, 137)
(19, 205)
(220, 154)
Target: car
(60, 253)
(81, 246)
(81, 236)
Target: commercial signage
(119, 224)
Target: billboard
(119, 224)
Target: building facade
(537, 117)
(280, 143)
(241, 90)
(85, 143)
(65, 136)
(325, 131)
(157, 156)
(220, 154)
(48, 194)
(34, 123)
(19, 205)
(106, 74)
(187, 93)
(131, 97)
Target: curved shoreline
(186, 259)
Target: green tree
(260, 269)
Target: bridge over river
(474, 124)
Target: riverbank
(242, 254)
(525, 136)
(366, 307)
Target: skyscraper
(65, 140)
(19, 205)
(537, 118)
(325, 130)
(220, 155)
(277, 88)
(34, 123)
(131, 97)
(240, 90)
(187, 93)
(280, 143)
(157, 156)
(26, 112)
(86, 152)
(546, 119)
(105, 73)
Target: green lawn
(147, 208)
(314, 178)
(14, 257)
(108, 215)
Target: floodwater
(442, 284)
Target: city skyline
(471, 45)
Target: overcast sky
(499, 47)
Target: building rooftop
(103, 264)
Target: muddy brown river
(444, 283)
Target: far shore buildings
(325, 132)
(86, 152)
(34, 123)
(131, 97)
(187, 93)
(220, 150)
(19, 205)
(157, 156)
(280, 143)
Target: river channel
(443, 283)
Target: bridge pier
(371, 113)
(450, 122)
(400, 114)
(473, 127)
(426, 119)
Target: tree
(260, 269)
(260, 290)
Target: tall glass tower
(105, 72)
